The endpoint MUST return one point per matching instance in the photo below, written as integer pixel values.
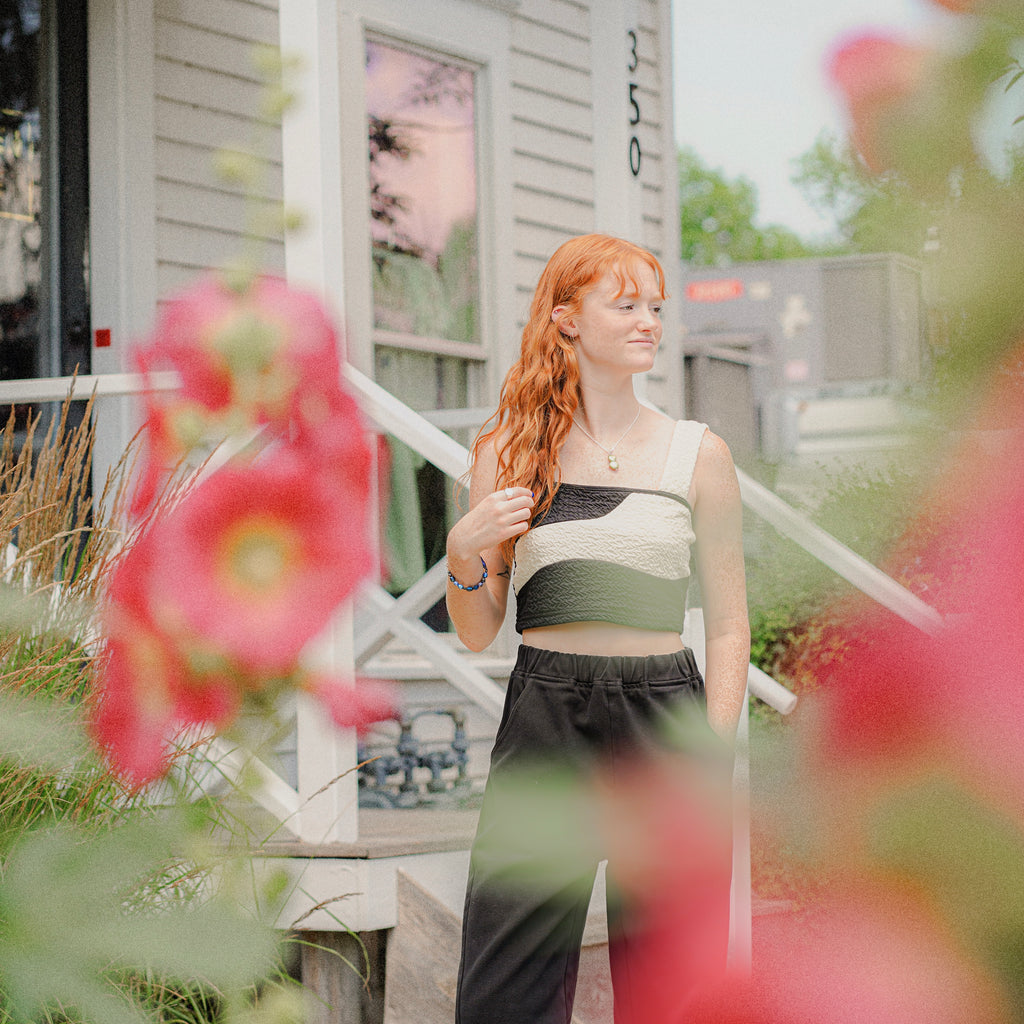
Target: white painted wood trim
(311, 144)
(482, 690)
(122, 203)
(671, 363)
(328, 781)
(397, 418)
(741, 900)
(618, 198)
(272, 792)
(419, 598)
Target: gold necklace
(613, 463)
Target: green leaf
(69, 915)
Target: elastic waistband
(595, 668)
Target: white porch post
(314, 258)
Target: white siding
(208, 94)
(556, 138)
(552, 133)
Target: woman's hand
(499, 516)
(494, 516)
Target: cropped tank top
(612, 554)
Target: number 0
(634, 156)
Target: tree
(875, 213)
(717, 215)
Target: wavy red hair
(541, 392)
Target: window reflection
(20, 175)
(423, 201)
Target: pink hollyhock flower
(665, 827)
(329, 432)
(254, 561)
(351, 705)
(267, 355)
(252, 351)
(147, 689)
(900, 695)
(875, 73)
(878, 954)
(959, 6)
(173, 427)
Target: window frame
(439, 29)
(469, 350)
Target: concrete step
(424, 948)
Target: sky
(750, 91)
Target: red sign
(719, 290)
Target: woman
(587, 502)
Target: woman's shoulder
(714, 472)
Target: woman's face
(618, 327)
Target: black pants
(533, 863)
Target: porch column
(314, 258)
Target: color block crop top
(612, 554)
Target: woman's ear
(565, 327)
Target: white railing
(318, 812)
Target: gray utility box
(760, 338)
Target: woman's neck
(603, 412)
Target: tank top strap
(682, 457)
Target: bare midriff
(602, 638)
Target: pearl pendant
(613, 463)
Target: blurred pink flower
(329, 432)
(900, 696)
(874, 73)
(351, 705)
(254, 561)
(147, 688)
(959, 6)
(871, 954)
(263, 356)
(252, 350)
(665, 827)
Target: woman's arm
(718, 524)
(493, 517)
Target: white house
(441, 149)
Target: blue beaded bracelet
(475, 586)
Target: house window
(421, 112)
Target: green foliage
(114, 909)
(717, 219)
(797, 604)
(875, 213)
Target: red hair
(541, 392)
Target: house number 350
(634, 106)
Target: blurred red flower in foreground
(874, 73)
(959, 6)
(900, 696)
(218, 596)
(263, 355)
(256, 558)
(251, 351)
(665, 825)
(880, 955)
